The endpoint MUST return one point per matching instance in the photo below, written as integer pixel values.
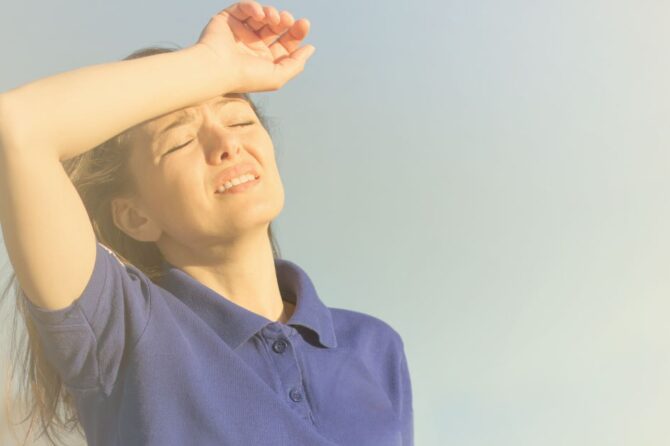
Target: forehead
(155, 126)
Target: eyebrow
(187, 116)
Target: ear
(129, 217)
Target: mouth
(231, 177)
(245, 182)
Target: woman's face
(177, 160)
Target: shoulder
(354, 327)
(112, 253)
(123, 269)
(373, 344)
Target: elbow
(14, 127)
(7, 126)
(2, 119)
(21, 128)
(4, 125)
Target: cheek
(170, 197)
(266, 152)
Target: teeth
(235, 181)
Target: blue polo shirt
(175, 363)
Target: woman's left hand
(258, 44)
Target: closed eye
(189, 141)
(178, 147)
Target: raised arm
(69, 113)
(64, 115)
(47, 231)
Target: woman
(137, 198)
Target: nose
(219, 141)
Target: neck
(242, 270)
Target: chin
(264, 214)
(276, 204)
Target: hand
(258, 45)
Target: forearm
(69, 113)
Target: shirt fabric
(175, 363)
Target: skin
(220, 240)
(246, 47)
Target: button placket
(279, 346)
(287, 366)
(296, 394)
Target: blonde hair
(99, 175)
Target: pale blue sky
(490, 178)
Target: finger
(254, 24)
(246, 9)
(268, 36)
(272, 14)
(272, 26)
(271, 31)
(271, 18)
(241, 31)
(290, 40)
(294, 63)
(286, 20)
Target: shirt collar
(236, 324)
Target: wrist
(225, 73)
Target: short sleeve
(406, 410)
(87, 341)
